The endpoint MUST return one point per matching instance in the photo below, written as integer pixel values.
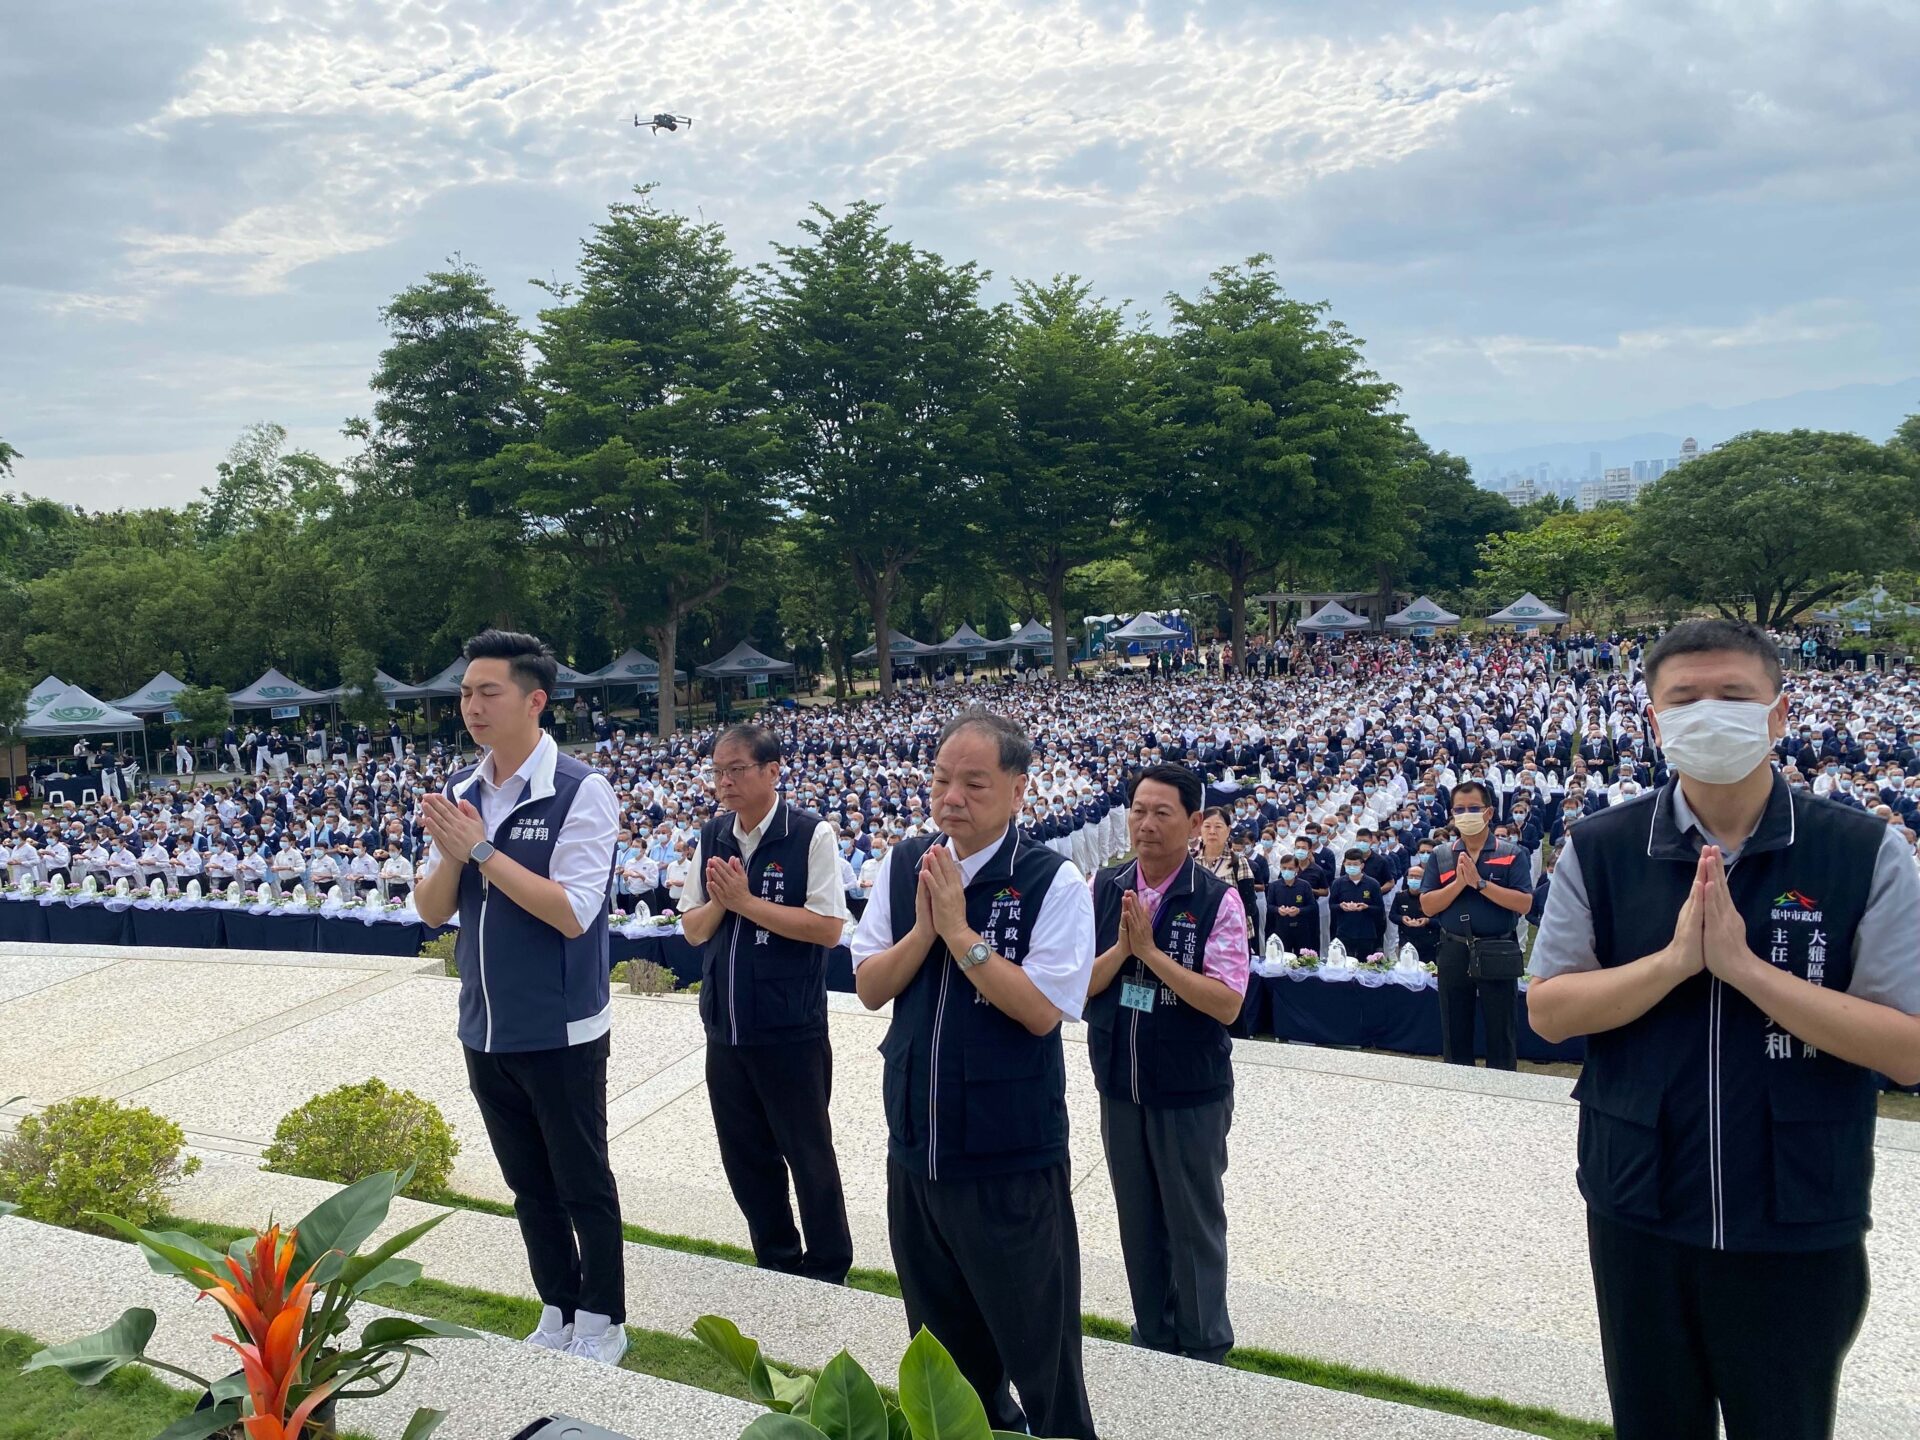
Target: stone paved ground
(1383, 1212)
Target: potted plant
(288, 1296)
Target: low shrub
(440, 948)
(643, 977)
(88, 1154)
(359, 1130)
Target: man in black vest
(1477, 890)
(996, 953)
(1169, 978)
(1741, 958)
(764, 902)
(523, 851)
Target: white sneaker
(551, 1334)
(606, 1347)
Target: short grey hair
(1015, 749)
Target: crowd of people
(1345, 756)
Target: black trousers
(770, 1117)
(1168, 1167)
(1458, 993)
(546, 1115)
(992, 1268)
(1688, 1331)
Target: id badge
(1135, 996)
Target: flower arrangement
(663, 919)
(1306, 960)
(394, 903)
(1376, 962)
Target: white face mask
(1716, 741)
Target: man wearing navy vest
(523, 850)
(1742, 959)
(983, 940)
(764, 902)
(1476, 892)
(1169, 978)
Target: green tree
(7, 456)
(162, 604)
(1073, 394)
(1452, 518)
(819, 607)
(204, 712)
(1563, 557)
(364, 703)
(1280, 443)
(261, 477)
(879, 360)
(14, 690)
(650, 470)
(1906, 435)
(1771, 524)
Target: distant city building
(1521, 491)
(1593, 465)
(1689, 450)
(1589, 494)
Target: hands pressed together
(1709, 934)
(456, 827)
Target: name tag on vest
(529, 827)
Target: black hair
(1354, 852)
(1700, 637)
(1479, 787)
(1192, 793)
(1015, 749)
(1220, 813)
(757, 740)
(528, 658)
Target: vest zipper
(733, 980)
(1716, 1177)
(933, 1076)
(486, 998)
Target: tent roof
(74, 712)
(633, 666)
(1529, 609)
(968, 640)
(897, 646)
(388, 686)
(1333, 617)
(273, 688)
(1031, 633)
(1423, 612)
(1144, 626)
(743, 659)
(447, 682)
(156, 694)
(43, 692)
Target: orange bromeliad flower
(272, 1316)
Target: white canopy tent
(156, 695)
(274, 688)
(743, 661)
(43, 693)
(969, 641)
(900, 647)
(74, 712)
(1529, 609)
(1144, 626)
(1422, 612)
(391, 688)
(1333, 618)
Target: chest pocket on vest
(1620, 1147)
(1822, 1164)
(1010, 1104)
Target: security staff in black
(1169, 977)
(1479, 889)
(983, 940)
(1742, 957)
(765, 903)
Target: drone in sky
(664, 121)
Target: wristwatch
(1480, 884)
(482, 852)
(977, 954)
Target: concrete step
(1137, 1395)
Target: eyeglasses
(1470, 810)
(733, 772)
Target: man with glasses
(1478, 889)
(764, 900)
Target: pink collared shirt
(1225, 958)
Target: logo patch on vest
(1794, 906)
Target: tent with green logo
(273, 689)
(389, 687)
(745, 662)
(900, 647)
(636, 668)
(74, 712)
(1333, 618)
(1529, 609)
(156, 694)
(1421, 612)
(44, 692)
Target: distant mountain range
(1495, 449)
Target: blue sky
(1573, 214)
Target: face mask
(1353, 872)
(1288, 874)
(1716, 741)
(1413, 882)
(1302, 855)
(1469, 824)
(1365, 847)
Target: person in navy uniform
(1293, 910)
(1356, 907)
(523, 851)
(1411, 923)
(997, 953)
(1168, 981)
(765, 903)
(1741, 958)
(1478, 888)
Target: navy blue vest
(1702, 1120)
(524, 985)
(784, 997)
(1172, 1055)
(968, 1090)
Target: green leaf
(392, 1272)
(846, 1403)
(391, 1329)
(898, 1426)
(360, 1266)
(7, 1207)
(344, 1220)
(937, 1399)
(202, 1423)
(229, 1387)
(168, 1252)
(780, 1427)
(92, 1358)
(423, 1424)
(766, 1383)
